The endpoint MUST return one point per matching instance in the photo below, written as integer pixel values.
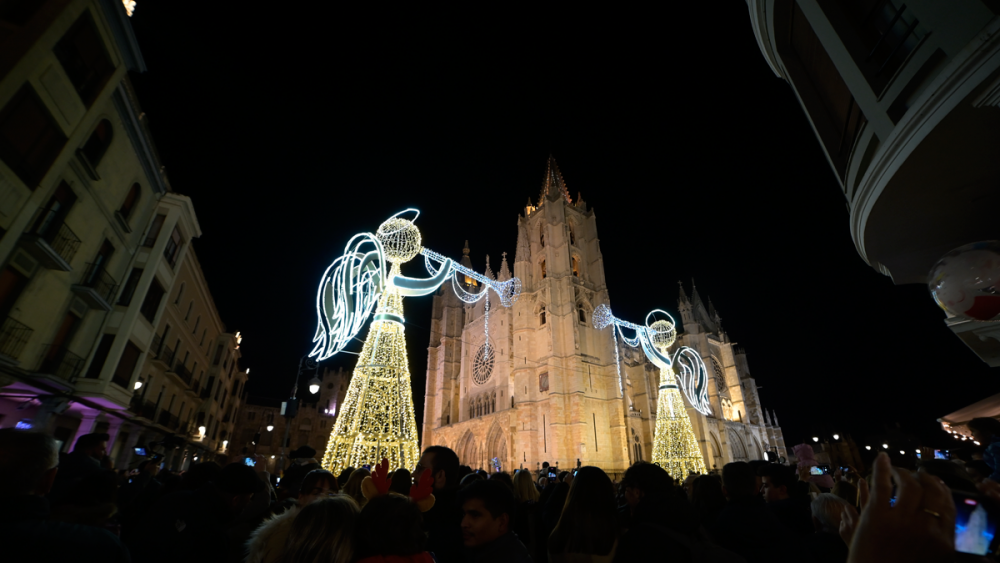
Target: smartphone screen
(938, 454)
(815, 470)
(249, 462)
(975, 526)
(140, 451)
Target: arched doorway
(496, 447)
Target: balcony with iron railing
(13, 337)
(54, 246)
(156, 345)
(165, 357)
(60, 362)
(97, 288)
(167, 420)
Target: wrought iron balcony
(183, 373)
(54, 246)
(13, 336)
(97, 288)
(60, 362)
(156, 346)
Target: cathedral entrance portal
(496, 446)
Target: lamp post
(291, 407)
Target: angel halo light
(655, 338)
(352, 284)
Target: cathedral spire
(774, 417)
(553, 187)
(466, 261)
(695, 298)
(523, 251)
(504, 274)
(489, 272)
(683, 298)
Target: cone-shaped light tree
(674, 446)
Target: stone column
(87, 423)
(114, 425)
(43, 416)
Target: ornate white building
(553, 391)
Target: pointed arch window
(543, 269)
(541, 316)
(493, 402)
(576, 266)
(472, 409)
(541, 234)
(572, 235)
(583, 315)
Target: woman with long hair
(526, 495)
(587, 530)
(352, 487)
(267, 541)
(323, 532)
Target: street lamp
(885, 446)
(815, 438)
(201, 430)
(902, 452)
(270, 427)
(836, 436)
(314, 385)
(138, 384)
(868, 448)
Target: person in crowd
(488, 510)
(344, 476)
(745, 526)
(688, 486)
(470, 478)
(92, 502)
(755, 465)
(322, 532)
(504, 478)
(84, 461)
(642, 479)
(587, 530)
(707, 499)
(265, 543)
(443, 521)
(526, 496)
(543, 481)
(401, 481)
(918, 528)
(303, 461)
(389, 531)
(566, 477)
(198, 525)
(200, 474)
(978, 470)
(777, 487)
(846, 491)
(28, 468)
(825, 545)
(353, 486)
(463, 470)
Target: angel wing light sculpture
(674, 445)
(376, 420)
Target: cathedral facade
(549, 386)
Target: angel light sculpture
(675, 447)
(376, 420)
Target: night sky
(293, 131)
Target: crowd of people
(75, 507)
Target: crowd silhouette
(75, 507)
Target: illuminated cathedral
(550, 387)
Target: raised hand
(920, 527)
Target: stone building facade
(95, 249)
(553, 391)
(311, 426)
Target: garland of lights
(377, 419)
(675, 447)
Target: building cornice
(977, 62)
